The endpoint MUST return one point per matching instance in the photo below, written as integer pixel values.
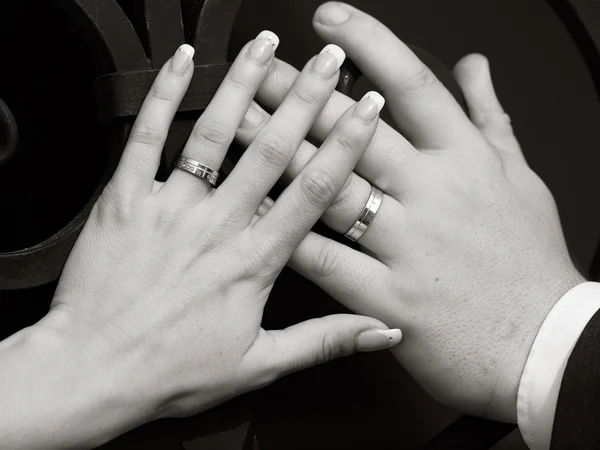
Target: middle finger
(215, 129)
(348, 206)
(264, 162)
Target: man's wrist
(543, 375)
(538, 304)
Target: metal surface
(366, 216)
(9, 134)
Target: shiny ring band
(199, 170)
(366, 216)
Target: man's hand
(466, 253)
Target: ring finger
(348, 206)
(215, 129)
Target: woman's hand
(466, 253)
(159, 308)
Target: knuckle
(304, 96)
(326, 262)
(115, 207)
(273, 150)
(332, 346)
(239, 81)
(344, 196)
(213, 132)
(346, 142)
(148, 134)
(503, 121)
(491, 115)
(494, 121)
(319, 187)
(420, 82)
(163, 92)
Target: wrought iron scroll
(9, 134)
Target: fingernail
(253, 118)
(374, 340)
(369, 107)
(264, 46)
(332, 14)
(329, 61)
(182, 59)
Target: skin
(466, 254)
(158, 311)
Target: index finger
(141, 157)
(422, 107)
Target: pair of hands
(167, 283)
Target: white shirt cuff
(542, 376)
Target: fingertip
(471, 67)
(188, 50)
(369, 107)
(332, 14)
(377, 98)
(270, 36)
(182, 60)
(375, 340)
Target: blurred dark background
(362, 402)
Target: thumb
(278, 353)
(473, 75)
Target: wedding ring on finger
(367, 215)
(199, 170)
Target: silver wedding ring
(198, 170)
(366, 216)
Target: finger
(278, 353)
(389, 160)
(347, 207)
(474, 77)
(141, 157)
(353, 278)
(301, 205)
(215, 130)
(264, 162)
(422, 107)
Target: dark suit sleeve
(577, 418)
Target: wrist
(99, 398)
(537, 303)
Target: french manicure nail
(253, 118)
(269, 35)
(369, 107)
(332, 14)
(329, 61)
(374, 340)
(264, 46)
(182, 59)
